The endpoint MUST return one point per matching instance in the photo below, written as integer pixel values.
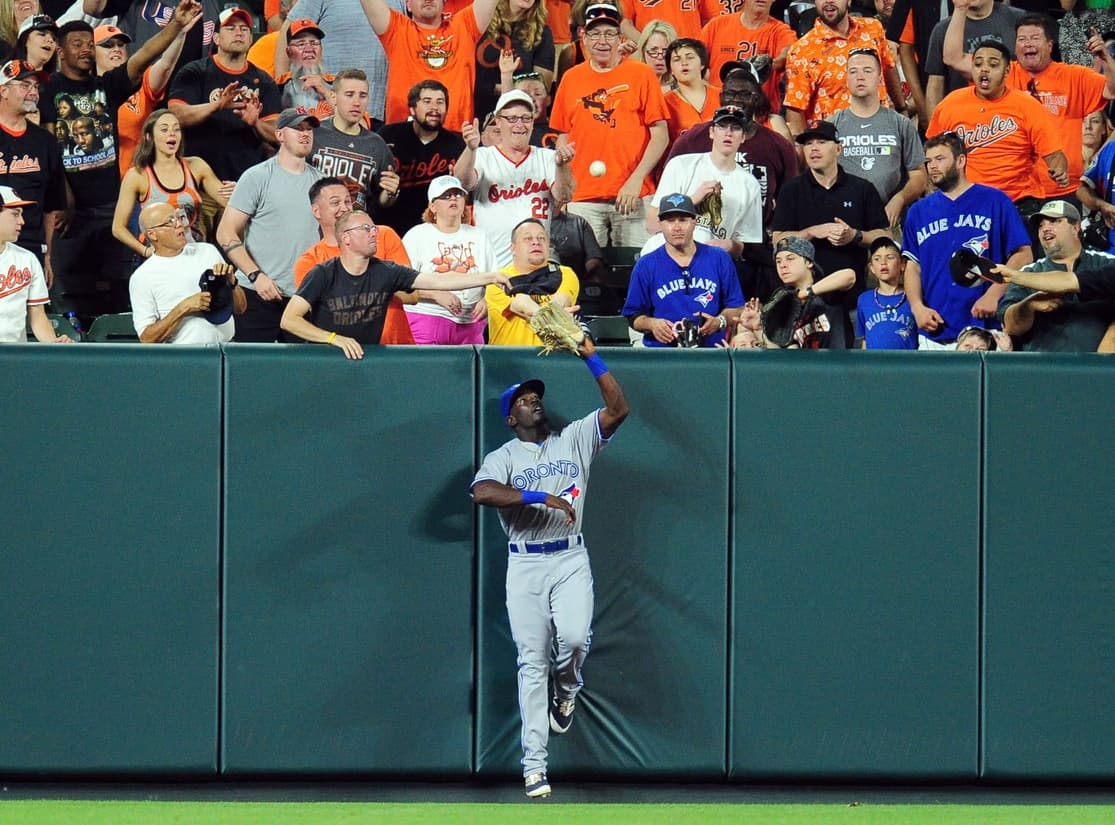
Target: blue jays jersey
(661, 288)
(983, 220)
(559, 466)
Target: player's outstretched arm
(615, 402)
(493, 494)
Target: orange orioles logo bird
(601, 105)
(437, 51)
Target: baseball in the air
(597, 168)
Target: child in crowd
(820, 324)
(975, 339)
(884, 319)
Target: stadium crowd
(361, 172)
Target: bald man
(170, 301)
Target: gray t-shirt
(999, 25)
(281, 226)
(362, 157)
(881, 148)
(559, 466)
(350, 43)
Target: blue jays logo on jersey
(570, 493)
(705, 299)
(979, 244)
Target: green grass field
(544, 813)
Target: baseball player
(538, 481)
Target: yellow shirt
(507, 329)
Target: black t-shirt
(354, 305)
(223, 140)
(88, 138)
(487, 64)
(804, 202)
(31, 163)
(417, 163)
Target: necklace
(890, 309)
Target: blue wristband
(596, 365)
(534, 497)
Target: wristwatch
(857, 239)
(255, 273)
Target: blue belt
(545, 547)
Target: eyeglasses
(364, 227)
(448, 196)
(517, 118)
(526, 76)
(177, 219)
(608, 35)
(654, 52)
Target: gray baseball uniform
(549, 581)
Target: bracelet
(329, 340)
(596, 365)
(534, 497)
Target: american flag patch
(158, 13)
(208, 27)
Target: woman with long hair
(651, 50)
(518, 27)
(38, 43)
(693, 98)
(12, 15)
(161, 173)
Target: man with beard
(1070, 93)
(423, 151)
(306, 83)
(1006, 131)
(346, 148)
(816, 83)
(960, 214)
(268, 225)
(513, 180)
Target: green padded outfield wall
(655, 680)
(109, 591)
(348, 560)
(1049, 568)
(855, 565)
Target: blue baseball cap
(220, 297)
(515, 390)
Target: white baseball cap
(11, 199)
(442, 184)
(513, 96)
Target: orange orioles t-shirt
(728, 39)
(683, 15)
(446, 54)
(607, 116)
(1069, 93)
(1006, 138)
(396, 328)
(683, 115)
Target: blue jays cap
(676, 204)
(515, 390)
(220, 297)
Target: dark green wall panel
(655, 679)
(855, 565)
(1049, 587)
(109, 575)
(348, 561)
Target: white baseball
(597, 168)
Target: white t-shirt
(22, 284)
(466, 250)
(742, 214)
(160, 283)
(509, 192)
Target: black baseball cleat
(561, 714)
(537, 786)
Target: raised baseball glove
(558, 329)
(781, 315)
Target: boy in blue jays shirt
(884, 319)
(683, 280)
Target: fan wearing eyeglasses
(1007, 132)
(513, 180)
(343, 302)
(1069, 92)
(614, 112)
(751, 34)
